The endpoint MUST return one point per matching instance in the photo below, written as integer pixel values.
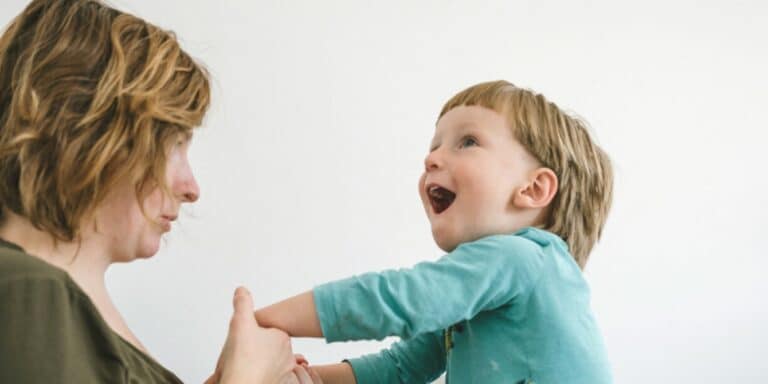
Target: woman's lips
(165, 222)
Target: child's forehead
(470, 113)
(457, 128)
(468, 118)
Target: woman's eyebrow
(186, 135)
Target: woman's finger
(243, 303)
(214, 379)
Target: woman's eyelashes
(183, 140)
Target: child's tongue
(441, 199)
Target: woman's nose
(185, 185)
(191, 191)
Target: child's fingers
(290, 378)
(314, 376)
(302, 375)
(300, 359)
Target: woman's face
(126, 232)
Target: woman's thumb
(243, 303)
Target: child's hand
(306, 375)
(309, 375)
(300, 359)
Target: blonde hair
(560, 142)
(89, 96)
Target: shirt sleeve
(477, 276)
(50, 336)
(417, 360)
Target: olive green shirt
(50, 331)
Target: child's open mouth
(440, 198)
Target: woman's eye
(182, 141)
(468, 142)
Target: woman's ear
(539, 191)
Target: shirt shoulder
(47, 316)
(16, 264)
(519, 250)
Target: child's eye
(468, 141)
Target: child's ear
(539, 191)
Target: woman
(97, 109)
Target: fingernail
(240, 291)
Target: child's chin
(446, 243)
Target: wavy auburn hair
(561, 143)
(89, 96)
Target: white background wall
(323, 111)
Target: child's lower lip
(436, 213)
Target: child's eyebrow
(433, 144)
(467, 126)
(461, 129)
(435, 141)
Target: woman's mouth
(440, 198)
(165, 222)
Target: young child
(517, 194)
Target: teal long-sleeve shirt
(501, 309)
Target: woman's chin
(145, 251)
(148, 251)
(145, 256)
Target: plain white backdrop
(323, 112)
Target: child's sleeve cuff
(326, 312)
(365, 370)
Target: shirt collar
(541, 236)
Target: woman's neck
(86, 261)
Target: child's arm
(296, 316)
(340, 373)
(431, 296)
(478, 276)
(417, 360)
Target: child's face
(472, 172)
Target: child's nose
(433, 161)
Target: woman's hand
(253, 354)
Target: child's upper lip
(428, 187)
(439, 197)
